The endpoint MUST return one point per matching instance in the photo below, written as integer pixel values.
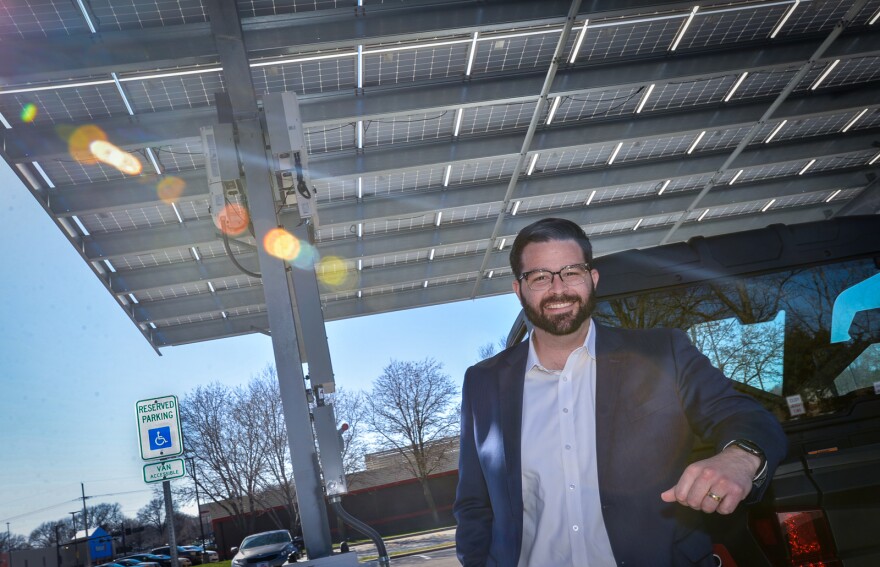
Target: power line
(65, 503)
(119, 493)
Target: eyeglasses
(571, 276)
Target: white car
(211, 556)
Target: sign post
(160, 438)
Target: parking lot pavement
(404, 545)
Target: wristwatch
(750, 447)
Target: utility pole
(9, 544)
(57, 546)
(192, 461)
(75, 539)
(85, 515)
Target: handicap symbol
(160, 438)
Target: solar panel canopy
(435, 131)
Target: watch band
(754, 449)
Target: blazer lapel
(609, 359)
(511, 380)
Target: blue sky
(73, 366)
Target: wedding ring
(714, 496)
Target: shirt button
(571, 487)
(564, 410)
(575, 528)
(565, 379)
(568, 447)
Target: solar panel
(418, 130)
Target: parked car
(162, 560)
(194, 554)
(208, 555)
(132, 562)
(266, 549)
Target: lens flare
(170, 189)
(80, 141)
(28, 112)
(281, 244)
(333, 271)
(120, 159)
(233, 219)
(308, 256)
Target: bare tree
(44, 535)
(13, 542)
(152, 515)
(106, 515)
(351, 408)
(489, 350)
(224, 432)
(276, 482)
(412, 412)
(751, 354)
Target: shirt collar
(589, 346)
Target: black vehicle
(162, 560)
(132, 562)
(266, 549)
(194, 555)
(792, 314)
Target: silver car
(265, 549)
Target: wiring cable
(365, 529)
(231, 255)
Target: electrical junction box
(221, 166)
(289, 156)
(330, 445)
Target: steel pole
(75, 539)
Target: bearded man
(575, 443)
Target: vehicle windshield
(804, 341)
(259, 540)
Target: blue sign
(160, 438)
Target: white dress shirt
(562, 515)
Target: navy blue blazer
(655, 394)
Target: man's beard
(564, 323)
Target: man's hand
(717, 484)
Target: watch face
(750, 447)
(745, 447)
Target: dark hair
(546, 230)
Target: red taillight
(808, 537)
(797, 539)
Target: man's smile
(558, 304)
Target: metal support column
(279, 307)
(226, 27)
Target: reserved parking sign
(159, 427)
